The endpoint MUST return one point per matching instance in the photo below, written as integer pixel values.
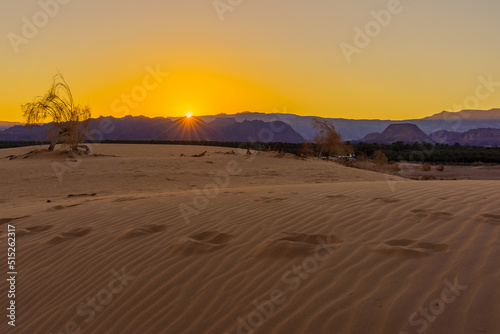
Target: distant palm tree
(68, 121)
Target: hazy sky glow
(264, 56)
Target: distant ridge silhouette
(294, 128)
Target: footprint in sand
(410, 248)
(336, 196)
(68, 235)
(296, 244)
(200, 243)
(82, 195)
(143, 230)
(490, 218)
(266, 199)
(127, 199)
(55, 208)
(431, 213)
(387, 200)
(33, 229)
(8, 220)
(60, 207)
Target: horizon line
(272, 113)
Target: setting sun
(189, 114)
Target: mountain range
(410, 133)
(6, 125)
(188, 129)
(476, 137)
(406, 132)
(356, 129)
(473, 127)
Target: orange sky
(412, 58)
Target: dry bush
(440, 168)
(426, 167)
(394, 167)
(328, 139)
(68, 121)
(378, 164)
(307, 148)
(428, 177)
(379, 158)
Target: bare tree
(307, 148)
(68, 121)
(328, 139)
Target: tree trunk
(54, 141)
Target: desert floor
(142, 240)
(451, 172)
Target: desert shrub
(327, 138)
(307, 148)
(426, 167)
(440, 168)
(428, 177)
(394, 167)
(68, 121)
(379, 158)
(377, 164)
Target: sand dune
(279, 246)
